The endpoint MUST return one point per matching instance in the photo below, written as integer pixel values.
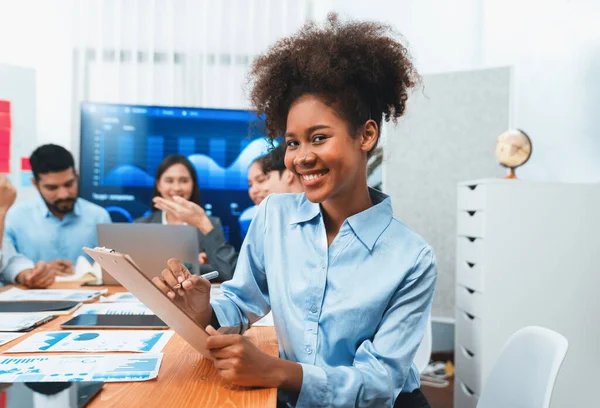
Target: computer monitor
(122, 146)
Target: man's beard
(61, 209)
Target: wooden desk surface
(185, 378)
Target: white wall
(38, 34)
(554, 46)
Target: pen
(208, 276)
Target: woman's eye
(292, 143)
(319, 138)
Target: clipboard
(125, 270)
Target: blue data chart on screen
(123, 145)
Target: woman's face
(330, 162)
(256, 181)
(176, 181)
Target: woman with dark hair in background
(177, 182)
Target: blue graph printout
(143, 341)
(123, 145)
(56, 368)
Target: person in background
(256, 191)
(279, 178)
(256, 181)
(15, 268)
(55, 226)
(350, 286)
(176, 200)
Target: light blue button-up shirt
(352, 314)
(11, 263)
(37, 234)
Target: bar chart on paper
(143, 341)
(56, 368)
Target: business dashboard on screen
(122, 146)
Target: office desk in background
(185, 378)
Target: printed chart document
(120, 297)
(12, 322)
(7, 337)
(33, 295)
(84, 272)
(142, 341)
(56, 368)
(114, 309)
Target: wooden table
(185, 379)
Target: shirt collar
(45, 212)
(368, 225)
(307, 210)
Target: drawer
(469, 300)
(469, 249)
(469, 274)
(463, 396)
(471, 197)
(468, 368)
(470, 223)
(468, 331)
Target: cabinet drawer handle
(471, 213)
(467, 352)
(471, 239)
(470, 264)
(467, 390)
(470, 316)
(470, 291)
(472, 186)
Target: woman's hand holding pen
(190, 292)
(185, 211)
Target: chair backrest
(526, 370)
(423, 355)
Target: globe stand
(511, 173)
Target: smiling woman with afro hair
(350, 286)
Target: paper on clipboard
(124, 269)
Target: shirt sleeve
(12, 262)
(10, 239)
(245, 298)
(105, 218)
(382, 364)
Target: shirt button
(308, 350)
(314, 310)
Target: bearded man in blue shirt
(54, 226)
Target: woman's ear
(289, 177)
(369, 136)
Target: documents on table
(50, 294)
(8, 337)
(143, 341)
(14, 322)
(114, 309)
(120, 297)
(84, 272)
(55, 368)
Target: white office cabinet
(527, 254)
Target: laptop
(151, 245)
